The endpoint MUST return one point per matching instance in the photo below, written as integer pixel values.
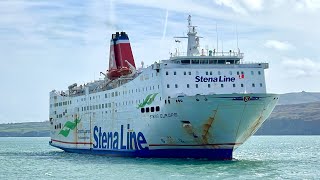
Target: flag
(241, 76)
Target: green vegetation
(294, 119)
(27, 129)
(299, 97)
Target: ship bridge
(209, 58)
(194, 55)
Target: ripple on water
(267, 157)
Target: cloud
(234, 5)
(254, 5)
(312, 5)
(278, 45)
(303, 67)
(242, 6)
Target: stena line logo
(114, 140)
(215, 79)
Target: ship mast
(193, 39)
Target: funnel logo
(149, 99)
(68, 126)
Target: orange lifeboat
(114, 73)
(125, 71)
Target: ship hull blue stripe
(211, 154)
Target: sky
(46, 44)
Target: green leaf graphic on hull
(149, 99)
(69, 125)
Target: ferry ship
(198, 104)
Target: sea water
(266, 157)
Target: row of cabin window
(151, 109)
(59, 116)
(209, 85)
(195, 61)
(114, 94)
(62, 103)
(58, 126)
(210, 73)
(106, 105)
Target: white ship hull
(209, 126)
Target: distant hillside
(299, 97)
(27, 129)
(300, 119)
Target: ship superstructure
(194, 105)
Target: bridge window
(152, 109)
(204, 62)
(188, 85)
(207, 73)
(167, 73)
(157, 108)
(234, 85)
(142, 110)
(260, 84)
(252, 73)
(195, 61)
(253, 85)
(147, 109)
(189, 72)
(210, 72)
(259, 72)
(230, 62)
(212, 62)
(221, 61)
(197, 85)
(185, 61)
(184, 73)
(209, 85)
(241, 85)
(176, 85)
(222, 85)
(168, 86)
(174, 73)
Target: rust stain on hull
(205, 130)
